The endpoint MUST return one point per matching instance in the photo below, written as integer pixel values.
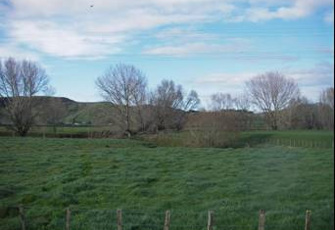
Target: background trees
(271, 92)
(133, 109)
(222, 101)
(170, 105)
(124, 86)
(326, 108)
(20, 82)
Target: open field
(97, 176)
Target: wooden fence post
(22, 218)
(261, 220)
(119, 219)
(68, 218)
(308, 220)
(210, 220)
(167, 220)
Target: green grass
(290, 138)
(296, 138)
(97, 176)
(62, 131)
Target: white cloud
(185, 35)
(329, 18)
(195, 49)
(225, 79)
(295, 10)
(147, 19)
(12, 50)
(49, 38)
(74, 29)
(321, 75)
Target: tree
(20, 82)
(124, 86)
(326, 108)
(243, 115)
(170, 105)
(327, 97)
(222, 101)
(236, 106)
(301, 114)
(271, 92)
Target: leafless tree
(221, 101)
(170, 105)
(242, 102)
(20, 82)
(243, 114)
(327, 97)
(301, 114)
(326, 108)
(271, 92)
(124, 86)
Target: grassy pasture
(291, 138)
(96, 176)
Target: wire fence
(294, 143)
(101, 219)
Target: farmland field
(94, 177)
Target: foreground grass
(95, 177)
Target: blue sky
(206, 45)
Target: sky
(207, 45)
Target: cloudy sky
(207, 45)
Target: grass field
(97, 176)
(290, 138)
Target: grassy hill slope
(76, 112)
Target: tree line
(137, 109)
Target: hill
(72, 112)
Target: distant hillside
(79, 113)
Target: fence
(119, 225)
(299, 143)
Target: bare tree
(170, 105)
(20, 82)
(271, 92)
(124, 86)
(190, 103)
(243, 115)
(301, 114)
(242, 102)
(326, 108)
(221, 101)
(327, 97)
(164, 100)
